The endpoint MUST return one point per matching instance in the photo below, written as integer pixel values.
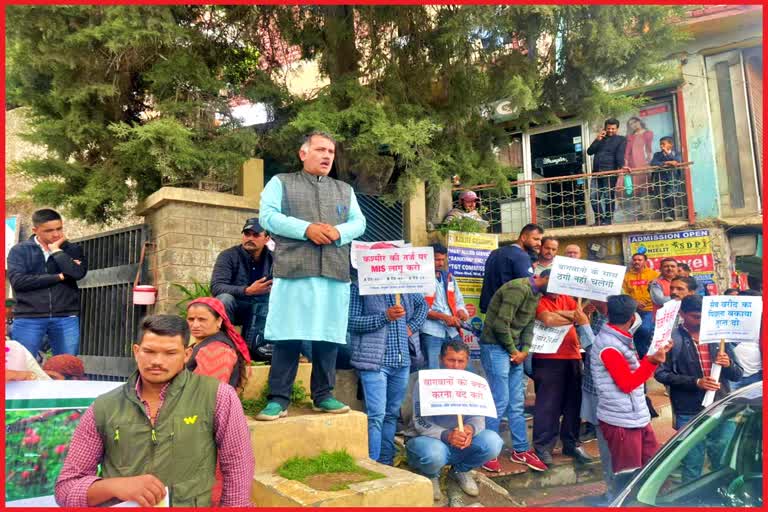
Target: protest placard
(400, 270)
(584, 278)
(356, 246)
(546, 340)
(731, 318)
(665, 322)
(467, 253)
(40, 418)
(458, 392)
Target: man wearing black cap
(242, 280)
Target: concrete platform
(397, 489)
(304, 433)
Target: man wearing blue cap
(242, 280)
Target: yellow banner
(489, 241)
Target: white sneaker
(466, 482)
(437, 494)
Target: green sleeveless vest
(181, 448)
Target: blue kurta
(306, 308)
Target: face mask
(636, 325)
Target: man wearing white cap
(467, 208)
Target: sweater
(511, 314)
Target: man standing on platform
(312, 219)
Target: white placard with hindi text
(732, 318)
(584, 278)
(402, 270)
(547, 340)
(665, 322)
(356, 246)
(454, 392)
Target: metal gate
(383, 222)
(109, 322)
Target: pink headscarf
(229, 329)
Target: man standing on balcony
(549, 246)
(312, 218)
(608, 149)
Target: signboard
(665, 322)
(584, 278)
(40, 418)
(399, 270)
(732, 318)
(454, 392)
(692, 247)
(467, 253)
(546, 340)
(358, 246)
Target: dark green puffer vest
(180, 450)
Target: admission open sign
(401, 270)
(693, 247)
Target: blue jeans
(508, 390)
(384, 392)
(716, 441)
(432, 345)
(428, 455)
(63, 333)
(746, 381)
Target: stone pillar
(251, 180)
(189, 229)
(415, 216)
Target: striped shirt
(705, 359)
(235, 455)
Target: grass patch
(302, 468)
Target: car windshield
(714, 461)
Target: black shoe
(579, 454)
(545, 456)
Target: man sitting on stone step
(434, 441)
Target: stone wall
(189, 229)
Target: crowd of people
(302, 298)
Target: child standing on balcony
(667, 182)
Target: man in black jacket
(43, 272)
(608, 149)
(242, 280)
(687, 372)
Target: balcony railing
(658, 194)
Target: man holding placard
(619, 375)
(459, 440)
(379, 328)
(446, 310)
(504, 345)
(557, 379)
(688, 373)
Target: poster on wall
(467, 253)
(693, 247)
(40, 418)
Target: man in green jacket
(164, 430)
(504, 345)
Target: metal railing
(596, 199)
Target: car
(730, 474)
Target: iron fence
(602, 198)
